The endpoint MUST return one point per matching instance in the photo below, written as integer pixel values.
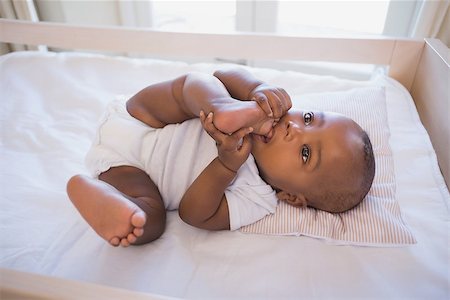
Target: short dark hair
(349, 196)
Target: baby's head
(320, 159)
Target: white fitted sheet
(49, 105)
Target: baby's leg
(124, 207)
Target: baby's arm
(204, 204)
(242, 85)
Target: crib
(52, 100)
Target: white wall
(79, 12)
(444, 32)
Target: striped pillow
(377, 220)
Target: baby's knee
(154, 226)
(153, 231)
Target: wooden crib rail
(402, 55)
(431, 93)
(24, 285)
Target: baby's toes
(124, 242)
(138, 231)
(138, 219)
(131, 238)
(115, 241)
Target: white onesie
(173, 157)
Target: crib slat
(402, 55)
(240, 45)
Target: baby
(185, 144)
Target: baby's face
(307, 148)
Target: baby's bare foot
(115, 218)
(233, 117)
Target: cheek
(268, 169)
(276, 161)
(278, 169)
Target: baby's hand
(233, 149)
(274, 101)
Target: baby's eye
(305, 153)
(308, 117)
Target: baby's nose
(292, 126)
(292, 129)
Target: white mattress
(49, 105)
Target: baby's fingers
(276, 104)
(263, 102)
(241, 133)
(208, 125)
(246, 145)
(239, 142)
(202, 117)
(285, 99)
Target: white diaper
(118, 141)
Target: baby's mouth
(268, 136)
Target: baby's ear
(294, 200)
